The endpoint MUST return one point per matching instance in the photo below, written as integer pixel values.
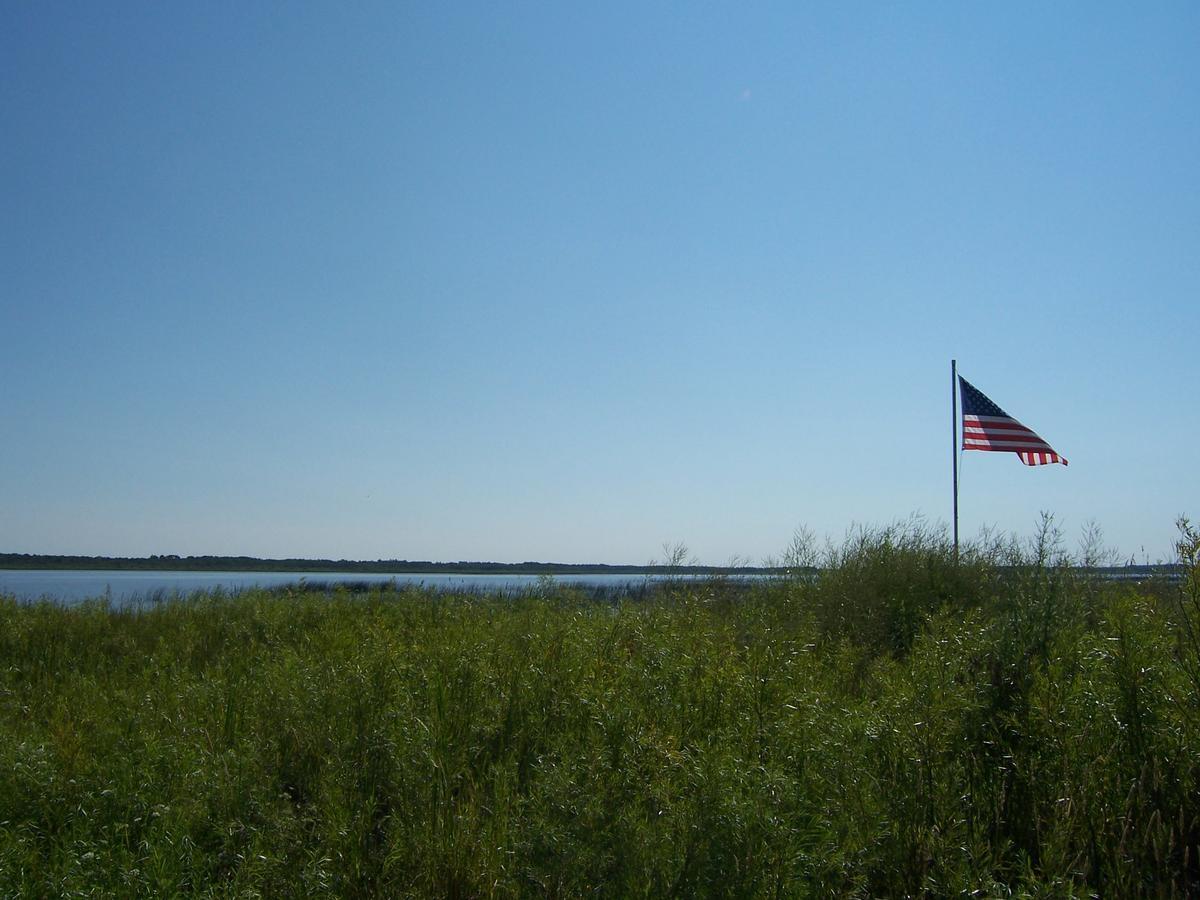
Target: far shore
(169, 563)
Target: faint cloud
(745, 95)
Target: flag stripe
(1031, 444)
(991, 424)
(1006, 440)
(1032, 441)
(1041, 459)
(1008, 445)
(1018, 437)
(1003, 433)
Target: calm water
(128, 587)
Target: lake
(127, 587)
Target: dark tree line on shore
(172, 562)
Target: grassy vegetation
(901, 725)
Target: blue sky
(547, 281)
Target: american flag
(985, 426)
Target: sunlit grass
(900, 725)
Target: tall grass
(899, 726)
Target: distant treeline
(171, 562)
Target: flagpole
(954, 444)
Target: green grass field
(901, 725)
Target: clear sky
(565, 282)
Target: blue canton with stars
(974, 403)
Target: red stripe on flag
(1011, 425)
(1032, 441)
(973, 443)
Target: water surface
(125, 587)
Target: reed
(900, 725)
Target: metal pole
(954, 444)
